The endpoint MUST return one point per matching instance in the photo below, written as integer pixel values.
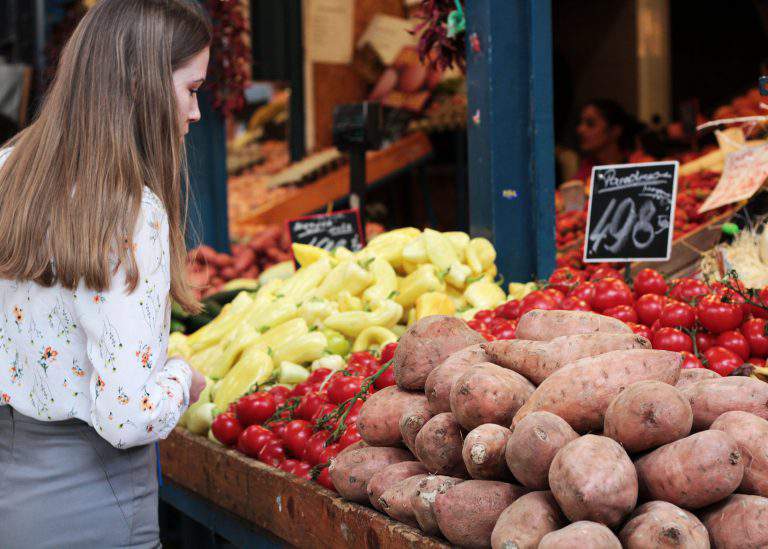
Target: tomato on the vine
(572, 303)
(734, 341)
(755, 330)
(362, 363)
(556, 295)
(350, 436)
(309, 404)
(278, 427)
(253, 439)
(324, 479)
(722, 360)
(387, 353)
(565, 279)
(610, 292)
(502, 329)
(756, 361)
(690, 361)
(322, 411)
(704, 341)
(302, 388)
(537, 300)
(677, 314)
(280, 393)
(604, 272)
(509, 310)
(671, 339)
(476, 325)
(255, 409)
(289, 465)
(329, 452)
(688, 289)
(386, 379)
(625, 313)
(297, 433)
(342, 387)
(319, 375)
(648, 308)
(761, 298)
(226, 429)
(641, 330)
(650, 281)
(485, 316)
(718, 314)
(303, 470)
(272, 453)
(584, 291)
(354, 412)
(314, 447)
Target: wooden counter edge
(298, 511)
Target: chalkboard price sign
(329, 231)
(631, 212)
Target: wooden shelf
(400, 155)
(302, 513)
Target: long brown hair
(71, 189)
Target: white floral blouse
(98, 356)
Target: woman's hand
(198, 384)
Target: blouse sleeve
(136, 396)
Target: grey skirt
(62, 485)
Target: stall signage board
(631, 212)
(744, 173)
(329, 231)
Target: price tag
(329, 231)
(631, 212)
(744, 173)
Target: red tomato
(319, 375)
(625, 313)
(671, 339)
(509, 310)
(309, 405)
(351, 418)
(650, 281)
(341, 388)
(504, 331)
(278, 427)
(639, 329)
(314, 447)
(386, 379)
(718, 315)
(350, 436)
(584, 291)
(761, 299)
(556, 295)
(704, 341)
(605, 272)
(756, 361)
(610, 292)
(476, 325)
(734, 341)
(363, 363)
(566, 279)
(690, 361)
(485, 316)
(253, 439)
(387, 353)
(487, 335)
(256, 408)
(280, 393)
(648, 308)
(755, 331)
(722, 360)
(571, 303)
(329, 452)
(272, 453)
(677, 314)
(302, 388)
(324, 410)
(297, 433)
(537, 300)
(324, 479)
(688, 289)
(226, 429)
(289, 465)
(303, 470)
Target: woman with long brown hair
(92, 249)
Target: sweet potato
(438, 445)
(424, 498)
(523, 524)
(413, 419)
(351, 470)
(580, 535)
(648, 414)
(738, 523)
(396, 500)
(580, 392)
(751, 434)
(711, 398)
(483, 452)
(689, 376)
(533, 445)
(391, 475)
(592, 478)
(441, 379)
(467, 512)
(379, 419)
(660, 524)
(541, 325)
(487, 393)
(537, 360)
(693, 472)
(426, 344)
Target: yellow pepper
(203, 361)
(484, 294)
(306, 280)
(439, 250)
(422, 280)
(254, 368)
(349, 276)
(411, 316)
(272, 314)
(270, 289)
(250, 284)
(178, 346)
(231, 315)
(469, 314)
(518, 290)
(302, 349)
(457, 275)
(373, 337)
(315, 310)
(285, 332)
(459, 241)
(341, 254)
(232, 347)
(415, 251)
(384, 282)
(280, 271)
(434, 303)
(399, 329)
(408, 267)
(290, 373)
(459, 301)
(389, 246)
(348, 302)
(353, 322)
(306, 255)
(480, 254)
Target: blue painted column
(511, 133)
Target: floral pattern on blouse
(98, 356)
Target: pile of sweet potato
(580, 435)
(209, 270)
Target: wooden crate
(301, 512)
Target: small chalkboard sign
(631, 212)
(329, 231)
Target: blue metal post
(511, 133)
